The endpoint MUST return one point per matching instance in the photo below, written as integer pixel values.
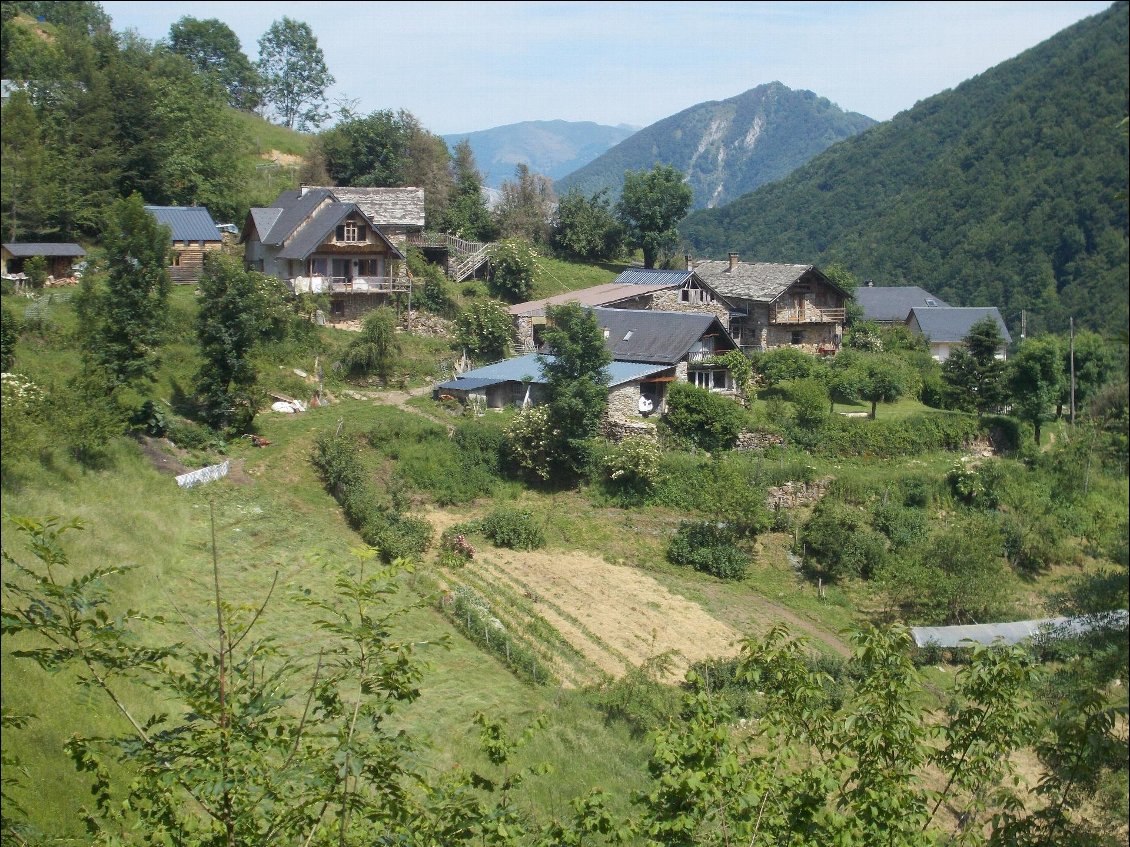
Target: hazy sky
(467, 66)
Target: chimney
(302, 189)
(733, 261)
(870, 283)
(689, 263)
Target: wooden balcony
(368, 285)
(806, 315)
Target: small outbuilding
(59, 256)
(194, 233)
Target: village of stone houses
(352, 497)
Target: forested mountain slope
(1009, 190)
(727, 147)
(552, 148)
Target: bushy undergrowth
(885, 438)
(512, 528)
(393, 534)
(709, 548)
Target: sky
(461, 67)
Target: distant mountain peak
(727, 147)
(550, 147)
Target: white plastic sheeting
(1014, 632)
(208, 474)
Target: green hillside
(727, 147)
(1009, 190)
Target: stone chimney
(733, 261)
(687, 260)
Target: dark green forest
(1009, 190)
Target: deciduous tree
(215, 51)
(1035, 380)
(527, 206)
(294, 74)
(651, 205)
(586, 226)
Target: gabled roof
(597, 295)
(760, 281)
(651, 276)
(528, 367)
(638, 335)
(28, 249)
(295, 209)
(894, 302)
(386, 206)
(948, 324)
(319, 228)
(263, 220)
(188, 223)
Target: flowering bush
(512, 270)
(633, 465)
(533, 442)
(454, 548)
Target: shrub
(485, 329)
(454, 548)
(810, 403)
(708, 547)
(703, 419)
(903, 526)
(430, 289)
(838, 538)
(512, 270)
(375, 350)
(785, 364)
(632, 466)
(512, 528)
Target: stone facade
(794, 494)
(671, 301)
(624, 403)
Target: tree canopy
(215, 51)
(651, 206)
(294, 74)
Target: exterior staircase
(463, 257)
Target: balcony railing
(368, 285)
(807, 315)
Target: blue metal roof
(188, 223)
(528, 368)
(21, 249)
(648, 276)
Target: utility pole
(1023, 324)
(1072, 324)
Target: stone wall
(670, 301)
(355, 306)
(524, 332)
(794, 494)
(758, 440)
(623, 404)
(619, 430)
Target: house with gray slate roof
(777, 305)
(946, 327)
(634, 288)
(319, 242)
(891, 304)
(650, 350)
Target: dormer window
(351, 232)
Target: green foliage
(467, 214)
(473, 615)
(215, 52)
(512, 270)
(810, 403)
(376, 348)
(839, 541)
(969, 188)
(485, 330)
(9, 335)
(740, 368)
(533, 444)
(393, 534)
(701, 418)
(236, 307)
(631, 468)
(512, 528)
(126, 322)
(586, 227)
(435, 293)
(526, 207)
(710, 548)
(651, 205)
(36, 270)
(294, 74)
(1035, 380)
(889, 438)
(784, 364)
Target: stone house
(194, 233)
(650, 350)
(320, 244)
(776, 305)
(635, 288)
